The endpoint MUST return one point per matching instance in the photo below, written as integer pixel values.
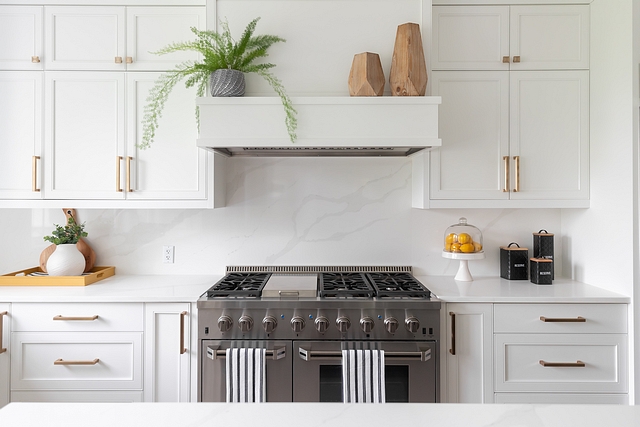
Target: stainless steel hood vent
(327, 126)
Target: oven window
(330, 383)
(396, 383)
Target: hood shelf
(327, 126)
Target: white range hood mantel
(327, 126)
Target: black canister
(514, 262)
(541, 271)
(543, 247)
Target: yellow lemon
(464, 238)
(447, 247)
(467, 248)
(477, 246)
(455, 247)
(451, 238)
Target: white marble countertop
(496, 289)
(118, 288)
(315, 414)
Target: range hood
(327, 126)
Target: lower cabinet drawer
(562, 398)
(87, 396)
(561, 363)
(80, 360)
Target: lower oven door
(213, 373)
(410, 370)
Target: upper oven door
(410, 370)
(213, 378)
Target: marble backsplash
(285, 211)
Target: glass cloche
(463, 238)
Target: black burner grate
(398, 285)
(239, 285)
(345, 285)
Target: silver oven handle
(214, 353)
(309, 355)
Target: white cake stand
(463, 274)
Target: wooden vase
(366, 77)
(408, 76)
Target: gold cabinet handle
(118, 59)
(73, 318)
(35, 59)
(576, 364)
(118, 161)
(578, 319)
(76, 362)
(516, 58)
(129, 189)
(2, 349)
(452, 350)
(505, 59)
(34, 173)
(516, 160)
(506, 174)
(183, 350)
(129, 60)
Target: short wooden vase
(408, 75)
(366, 77)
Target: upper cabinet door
(85, 38)
(21, 35)
(470, 38)
(151, 28)
(21, 134)
(550, 37)
(84, 141)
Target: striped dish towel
(363, 376)
(246, 375)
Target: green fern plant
(69, 234)
(219, 51)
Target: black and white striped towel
(246, 375)
(363, 376)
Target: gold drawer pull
(35, 59)
(506, 189)
(516, 59)
(34, 173)
(576, 364)
(578, 319)
(505, 59)
(2, 314)
(118, 59)
(452, 350)
(183, 350)
(61, 317)
(129, 60)
(128, 177)
(118, 161)
(76, 362)
(517, 163)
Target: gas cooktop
(330, 282)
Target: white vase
(66, 260)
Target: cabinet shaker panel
(21, 36)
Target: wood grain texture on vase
(408, 76)
(366, 77)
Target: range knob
(269, 323)
(224, 323)
(322, 324)
(343, 323)
(297, 324)
(391, 325)
(366, 323)
(245, 323)
(412, 324)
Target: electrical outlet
(168, 254)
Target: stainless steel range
(305, 316)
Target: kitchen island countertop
(315, 414)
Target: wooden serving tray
(36, 277)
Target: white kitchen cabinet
(469, 363)
(514, 119)
(21, 141)
(167, 352)
(21, 35)
(571, 350)
(116, 37)
(540, 37)
(5, 353)
(77, 352)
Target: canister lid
(543, 233)
(540, 260)
(509, 248)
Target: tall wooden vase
(408, 76)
